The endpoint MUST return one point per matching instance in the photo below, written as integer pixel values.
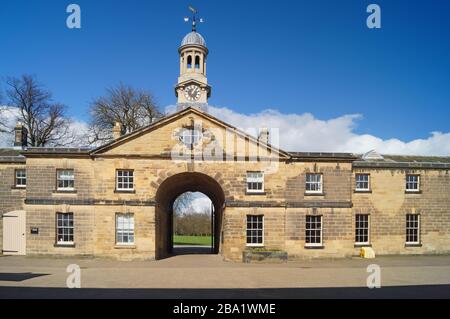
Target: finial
(193, 19)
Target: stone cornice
(88, 202)
(152, 203)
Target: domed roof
(193, 38)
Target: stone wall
(388, 204)
(94, 232)
(42, 177)
(284, 206)
(95, 190)
(284, 203)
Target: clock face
(192, 93)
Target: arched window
(189, 62)
(197, 62)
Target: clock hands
(193, 93)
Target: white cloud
(194, 203)
(298, 132)
(305, 133)
(79, 130)
(200, 203)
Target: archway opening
(193, 224)
(168, 192)
(197, 62)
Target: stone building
(116, 201)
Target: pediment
(192, 81)
(184, 84)
(164, 138)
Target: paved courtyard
(207, 276)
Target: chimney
(264, 136)
(20, 136)
(117, 131)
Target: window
(191, 137)
(362, 229)
(21, 178)
(65, 180)
(412, 183)
(64, 228)
(313, 231)
(197, 62)
(412, 229)
(362, 182)
(314, 183)
(255, 182)
(255, 231)
(189, 62)
(125, 229)
(125, 180)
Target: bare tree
(198, 224)
(183, 204)
(3, 127)
(189, 220)
(123, 104)
(45, 120)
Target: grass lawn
(192, 240)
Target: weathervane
(193, 19)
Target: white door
(14, 237)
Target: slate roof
(193, 38)
(57, 150)
(323, 156)
(401, 161)
(11, 155)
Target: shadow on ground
(430, 291)
(17, 277)
(192, 250)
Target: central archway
(169, 191)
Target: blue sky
(292, 56)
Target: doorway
(14, 237)
(193, 224)
(168, 192)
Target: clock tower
(192, 89)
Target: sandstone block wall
(388, 203)
(284, 203)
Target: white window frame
(254, 229)
(408, 228)
(252, 179)
(320, 183)
(63, 178)
(125, 189)
(58, 227)
(362, 243)
(130, 229)
(357, 189)
(20, 178)
(412, 190)
(310, 229)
